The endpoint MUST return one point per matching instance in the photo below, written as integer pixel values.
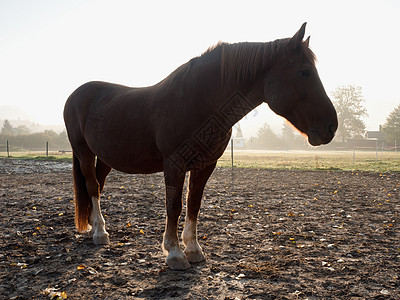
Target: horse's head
(294, 90)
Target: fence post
(232, 152)
(47, 148)
(8, 150)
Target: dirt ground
(267, 234)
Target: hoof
(101, 239)
(195, 257)
(90, 232)
(177, 262)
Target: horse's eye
(304, 73)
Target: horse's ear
(297, 39)
(307, 42)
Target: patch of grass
(314, 160)
(28, 156)
(287, 160)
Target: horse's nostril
(312, 131)
(332, 130)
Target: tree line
(22, 138)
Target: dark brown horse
(184, 124)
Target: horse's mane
(243, 61)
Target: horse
(184, 123)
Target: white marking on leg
(90, 225)
(176, 259)
(193, 250)
(100, 235)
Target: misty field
(313, 160)
(371, 161)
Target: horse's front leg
(197, 182)
(176, 259)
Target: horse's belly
(134, 154)
(141, 168)
(132, 164)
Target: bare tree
(348, 101)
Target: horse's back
(115, 122)
(89, 92)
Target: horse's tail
(83, 202)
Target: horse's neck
(238, 100)
(230, 101)
(233, 108)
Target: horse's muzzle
(316, 138)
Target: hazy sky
(49, 48)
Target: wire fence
(382, 158)
(376, 158)
(8, 150)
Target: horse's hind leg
(98, 231)
(197, 182)
(96, 220)
(102, 170)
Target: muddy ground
(267, 234)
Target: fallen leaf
(22, 265)
(385, 292)
(296, 293)
(53, 294)
(92, 271)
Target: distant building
(238, 140)
(378, 135)
(366, 144)
(372, 140)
